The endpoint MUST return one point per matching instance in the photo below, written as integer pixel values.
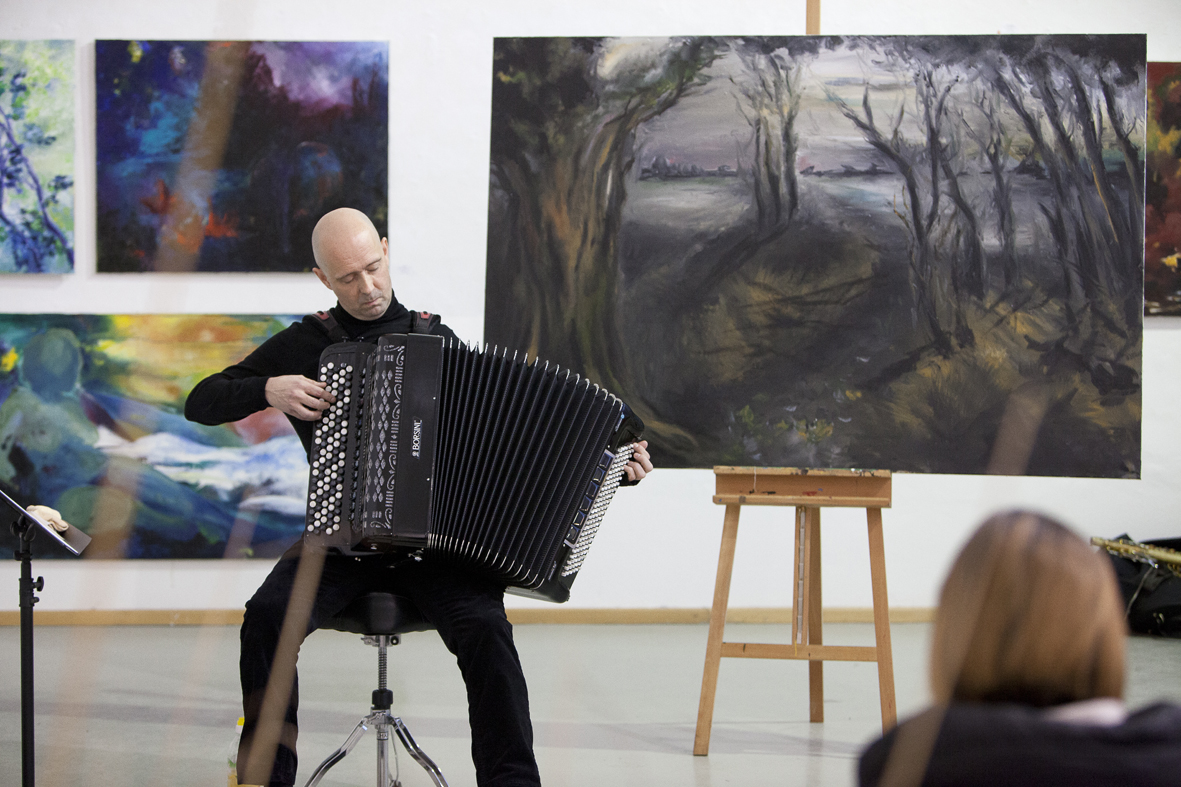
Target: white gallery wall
(659, 545)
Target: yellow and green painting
(36, 156)
(1162, 241)
(92, 424)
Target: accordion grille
(603, 499)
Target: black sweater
(240, 390)
(988, 744)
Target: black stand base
(24, 530)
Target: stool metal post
(382, 699)
(380, 612)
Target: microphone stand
(23, 529)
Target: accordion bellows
(473, 456)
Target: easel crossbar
(802, 500)
(760, 650)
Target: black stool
(382, 618)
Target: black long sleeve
(240, 390)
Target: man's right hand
(299, 397)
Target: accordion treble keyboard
(332, 483)
(472, 456)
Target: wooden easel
(808, 491)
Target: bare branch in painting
(919, 222)
(772, 89)
(996, 146)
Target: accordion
(472, 456)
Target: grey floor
(612, 705)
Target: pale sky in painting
(320, 74)
(706, 127)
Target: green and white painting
(92, 424)
(36, 156)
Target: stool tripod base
(381, 720)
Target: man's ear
(323, 279)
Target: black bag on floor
(1152, 593)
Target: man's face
(357, 270)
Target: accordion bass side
(472, 456)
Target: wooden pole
(815, 616)
(717, 625)
(812, 26)
(881, 618)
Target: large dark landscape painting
(92, 424)
(222, 155)
(913, 253)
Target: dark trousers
(468, 612)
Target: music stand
(72, 539)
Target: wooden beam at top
(812, 26)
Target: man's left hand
(640, 464)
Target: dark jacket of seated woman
(1027, 674)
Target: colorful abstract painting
(92, 424)
(920, 254)
(222, 155)
(1162, 239)
(36, 156)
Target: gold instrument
(1125, 547)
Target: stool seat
(374, 614)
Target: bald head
(339, 228)
(352, 260)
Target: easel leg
(717, 625)
(815, 615)
(881, 618)
(799, 578)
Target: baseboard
(128, 617)
(701, 615)
(518, 616)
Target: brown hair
(1030, 613)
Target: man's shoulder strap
(420, 322)
(423, 322)
(330, 326)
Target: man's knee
(262, 620)
(479, 627)
(266, 609)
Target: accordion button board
(473, 456)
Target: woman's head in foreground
(1030, 613)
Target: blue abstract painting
(92, 424)
(222, 155)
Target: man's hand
(299, 397)
(640, 464)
